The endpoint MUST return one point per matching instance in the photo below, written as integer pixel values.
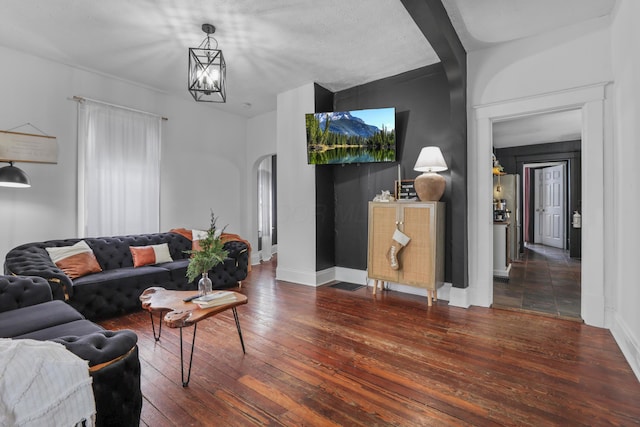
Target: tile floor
(546, 280)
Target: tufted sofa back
(32, 259)
(114, 252)
(111, 252)
(19, 291)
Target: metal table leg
(193, 341)
(153, 327)
(235, 316)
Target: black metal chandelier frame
(207, 70)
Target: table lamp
(429, 185)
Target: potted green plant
(211, 253)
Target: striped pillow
(153, 254)
(75, 261)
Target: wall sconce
(11, 176)
(429, 185)
(207, 70)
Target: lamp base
(430, 186)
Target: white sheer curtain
(265, 200)
(118, 170)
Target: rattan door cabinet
(422, 260)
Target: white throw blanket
(43, 384)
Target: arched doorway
(267, 209)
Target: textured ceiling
(270, 46)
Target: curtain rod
(82, 98)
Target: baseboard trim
(460, 297)
(457, 297)
(325, 276)
(297, 277)
(628, 345)
(351, 275)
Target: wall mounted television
(356, 136)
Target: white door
(552, 218)
(537, 202)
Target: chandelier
(207, 70)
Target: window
(118, 170)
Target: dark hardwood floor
(322, 357)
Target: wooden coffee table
(182, 314)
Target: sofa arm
(100, 348)
(20, 291)
(235, 248)
(32, 260)
(114, 366)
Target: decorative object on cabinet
(422, 261)
(384, 196)
(207, 70)
(429, 185)
(398, 242)
(406, 190)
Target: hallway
(546, 281)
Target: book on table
(215, 298)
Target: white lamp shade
(430, 160)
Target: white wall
(261, 143)
(535, 71)
(550, 67)
(203, 163)
(296, 190)
(567, 58)
(625, 189)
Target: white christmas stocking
(400, 240)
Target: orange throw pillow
(154, 254)
(75, 261)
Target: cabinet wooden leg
(429, 295)
(377, 283)
(435, 295)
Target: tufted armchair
(27, 310)
(118, 287)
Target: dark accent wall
(421, 100)
(430, 107)
(325, 197)
(432, 19)
(514, 158)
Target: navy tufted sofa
(117, 288)
(28, 310)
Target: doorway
(590, 100)
(267, 208)
(550, 204)
(544, 279)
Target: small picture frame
(405, 190)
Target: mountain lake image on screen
(357, 136)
